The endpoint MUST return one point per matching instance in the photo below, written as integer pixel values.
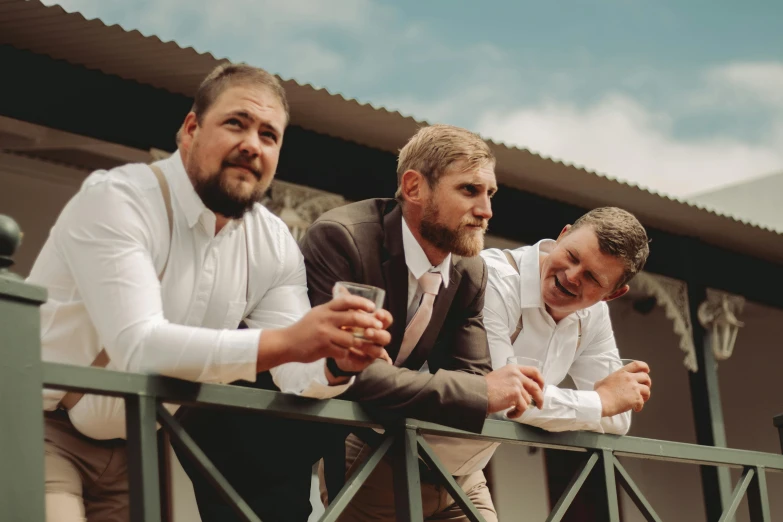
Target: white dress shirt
(100, 266)
(510, 295)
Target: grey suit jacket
(362, 242)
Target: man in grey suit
(422, 248)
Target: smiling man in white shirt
(548, 302)
(151, 269)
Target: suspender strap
(70, 399)
(513, 263)
(514, 336)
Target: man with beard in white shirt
(151, 268)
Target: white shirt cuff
(239, 355)
(590, 407)
(319, 387)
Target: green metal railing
(23, 375)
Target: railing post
(407, 481)
(758, 500)
(21, 430)
(607, 459)
(143, 477)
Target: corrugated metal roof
(758, 200)
(30, 25)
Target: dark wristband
(336, 371)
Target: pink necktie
(430, 284)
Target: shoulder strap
(166, 193)
(70, 399)
(513, 263)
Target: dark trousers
(268, 460)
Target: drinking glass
(373, 293)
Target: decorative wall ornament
(672, 295)
(718, 314)
(298, 206)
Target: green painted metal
(66, 377)
(607, 462)
(707, 409)
(564, 502)
(149, 389)
(108, 382)
(758, 499)
(21, 430)
(515, 433)
(407, 481)
(636, 495)
(739, 491)
(456, 492)
(143, 477)
(354, 483)
(185, 441)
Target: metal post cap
(10, 238)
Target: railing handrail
(176, 391)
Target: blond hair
(230, 75)
(433, 150)
(620, 235)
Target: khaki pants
(375, 499)
(86, 479)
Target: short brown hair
(435, 148)
(230, 75)
(620, 235)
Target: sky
(677, 97)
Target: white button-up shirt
(557, 345)
(100, 266)
(460, 456)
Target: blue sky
(680, 97)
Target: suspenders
(70, 399)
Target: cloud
(620, 137)
(758, 83)
(656, 128)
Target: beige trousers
(86, 479)
(375, 499)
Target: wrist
(332, 379)
(336, 372)
(272, 349)
(604, 401)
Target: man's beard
(222, 195)
(462, 241)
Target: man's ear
(412, 187)
(617, 293)
(564, 232)
(188, 130)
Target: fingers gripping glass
(527, 361)
(373, 293)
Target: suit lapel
(395, 273)
(440, 309)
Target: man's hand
(514, 386)
(325, 331)
(627, 388)
(359, 358)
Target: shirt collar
(530, 276)
(417, 260)
(182, 189)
